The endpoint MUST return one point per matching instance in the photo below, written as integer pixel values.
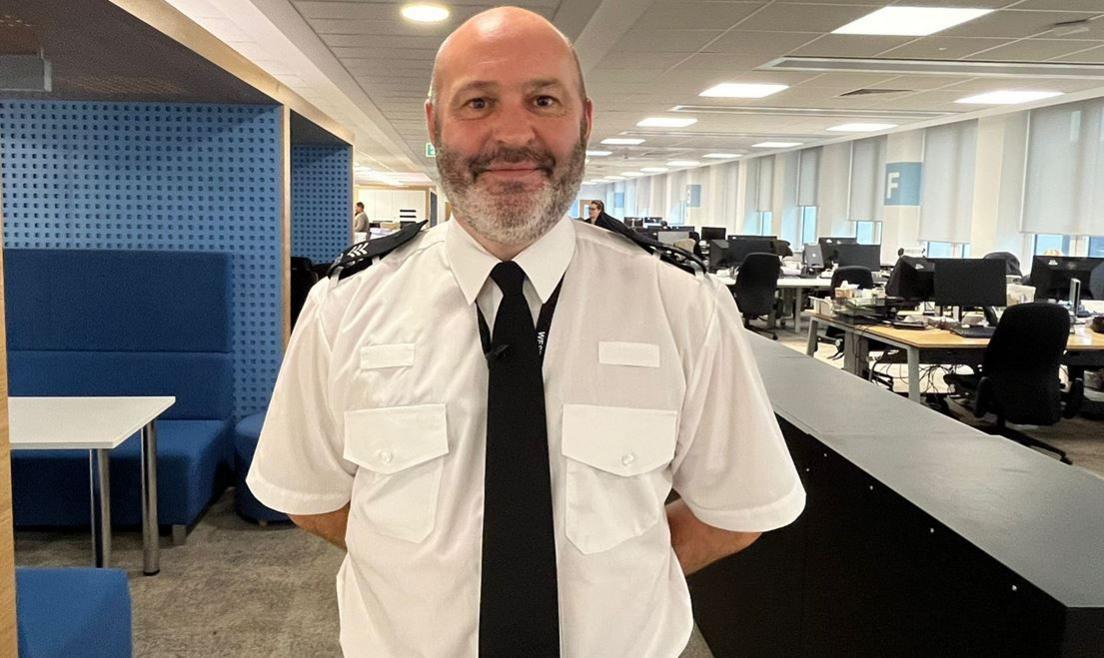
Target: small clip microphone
(495, 352)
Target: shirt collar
(544, 262)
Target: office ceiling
(643, 58)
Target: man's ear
(588, 118)
(431, 117)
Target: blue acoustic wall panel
(320, 198)
(158, 176)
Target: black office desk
(921, 536)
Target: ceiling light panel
(1007, 97)
(742, 90)
(910, 21)
(631, 174)
(776, 145)
(683, 163)
(598, 154)
(862, 127)
(622, 141)
(721, 156)
(667, 122)
(654, 170)
(421, 12)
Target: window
(1050, 243)
(946, 250)
(808, 225)
(868, 232)
(1096, 247)
(765, 221)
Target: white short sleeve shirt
(649, 385)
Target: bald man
(499, 479)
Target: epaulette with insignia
(363, 254)
(680, 258)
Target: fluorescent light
(1008, 97)
(776, 145)
(622, 141)
(743, 90)
(654, 170)
(910, 21)
(683, 163)
(615, 178)
(666, 122)
(598, 154)
(425, 13)
(721, 156)
(631, 174)
(862, 127)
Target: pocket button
(627, 459)
(384, 456)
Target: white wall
(383, 205)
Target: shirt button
(628, 459)
(384, 456)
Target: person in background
(594, 209)
(360, 220)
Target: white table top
(79, 423)
(786, 282)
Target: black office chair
(1018, 380)
(756, 287)
(1011, 262)
(856, 275)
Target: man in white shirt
(360, 220)
(379, 434)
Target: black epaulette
(363, 254)
(680, 258)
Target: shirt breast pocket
(615, 473)
(400, 452)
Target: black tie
(518, 610)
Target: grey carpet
(234, 589)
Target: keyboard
(973, 331)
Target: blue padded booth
(72, 613)
(84, 322)
(247, 434)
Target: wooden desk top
(1083, 338)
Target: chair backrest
(1096, 283)
(1022, 362)
(853, 274)
(1011, 262)
(756, 283)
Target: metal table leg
(151, 550)
(798, 297)
(913, 373)
(99, 483)
(811, 345)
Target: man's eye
(545, 101)
(478, 103)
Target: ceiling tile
(1094, 56)
(1033, 50)
(1011, 24)
(653, 61)
(696, 15)
(665, 41)
(942, 48)
(849, 45)
(760, 46)
(1091, 6)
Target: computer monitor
(712, 233)
(912, 279)
(720, 255)
(671, 237)
(969, 282)
(830, 241)
(849, 253)
(739, 249)
(752, 237)
(1051, 275)
(813, 257)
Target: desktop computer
(969, 282)
(912, 279)
(712, 233)
(813, 257)
(1051, 275)
(850, 253)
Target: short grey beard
(508, 216)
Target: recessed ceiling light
(421, 12)
(861, 127)
(622, 141)
(598, 154)
(631, 174)
(615, 178)
(910, 21)
(666, 122)
(654, 170)
(683, 163)
(776, 145)
(743, 90)
(721, 156)
(1008, 97)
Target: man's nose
(514, 126)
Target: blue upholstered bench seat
(73, 613)
(50, 487)
(246, 435)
